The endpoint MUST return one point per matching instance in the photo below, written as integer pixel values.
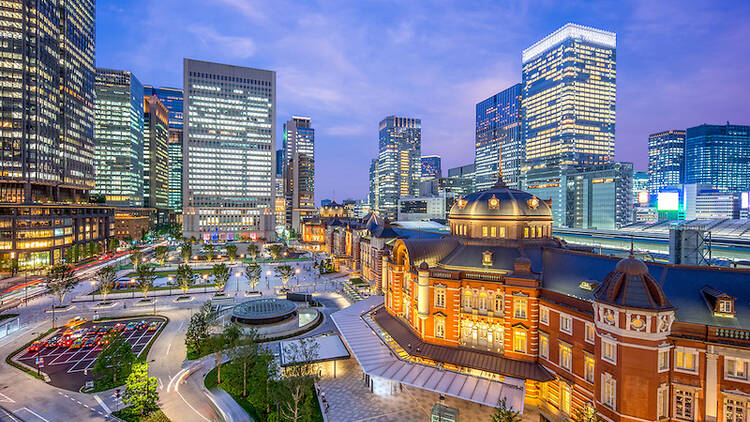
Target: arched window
(467, 299)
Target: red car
(52, 342)
(89, 342)
(142, 325)
(153, 326)
(117, 328)
(35, 346)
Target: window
(467, 299)
(683, 405)
(588, 368)
(725, 306)
(735, 410)
(590, 333)
(735, 368)
(685, 360)
(566, 356)
(565, 397)
(519, 341)
(526, 232)
(566, 324)
(519, 307)
(663, 360)
(502, 231)
(544, 345)
(440, 297)
(544, 315)
(483, 302)
(609, 351)
(609, 390)
(493, 231)
(439, 327)
(499, 304)
(662, 402)
(484, 231)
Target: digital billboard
(668, 201)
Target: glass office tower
(373, 197)
(155, 153)
(299, 171)
(568, 98)
(229, 146)
(431, 168)
(399, 162)
(47, 93)
(172, 99)
(498, 131)
(666, 155)
(719, 156)
(119, 137)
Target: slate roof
(469, 255)
(485, 361)
(511, 203)
(630, 285)
(429, 250)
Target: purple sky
(348, 64)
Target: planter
(145, 302)
(60, 309)
(104, 305)
(182, 299)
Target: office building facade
(568, 98)
(119, 138)
(719, 156)
(155, 153)
(228, 151)
(172, 99)
(399, 162)
(498, 133)
(666, 159)
(299, 171)
(373, 196)
(47, 100)
(431, 167)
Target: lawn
(128, 415)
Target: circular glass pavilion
(264, 311)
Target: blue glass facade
(497, 132)
(666, 159)
(431, 167)
(399, 162)
(172, 99)
(718, 156)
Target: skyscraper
(498, 130)
(228, 151)
(719, 156)
(172, 99)
(568, 98)
(666, 155)
(431, 168)
(399, 164)
(374, 197)
(155, 153)
(47, 100)
(119, 137)
(299, 170)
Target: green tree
(76, 254)
(285, 272)
(197, 330)
(210, 252)
(135, 258)
(587, 413)
(185, 277)
(115, 361)
(503, 413)
(252, 272)
(98, 248)
(186, 250)
(145, 277)
(296, 387)
(232, 252)
(276, 250)
(161, 254)
(61, 279)
(106, 278)
(113, 244)
(252, 251)
(140, 390)
(8, 264)
(227, 340)
(221, 276)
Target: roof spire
(500, 183)
(632, 241)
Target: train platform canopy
(329, 347)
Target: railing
(733, 334)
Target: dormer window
(487, 258)
(721, 304)
(726, 306)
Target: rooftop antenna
(500, 183)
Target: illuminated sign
(668, 201)
(745, 200)
(643, 197)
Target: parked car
(77, 343)
(117, 328)
(74, 322)
(89, 342)
(153, 325)
(35, 346)
(142, 325)
(131, 326)
(52, 342)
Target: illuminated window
(683, 404)
(566, 324)
(467, 299)
(565, 397)
(440, 297)
(439, 327)
(735, 410)
(609, 351)
(566, 356)
(519, 341)
(483, 302)
(544, 315)
(544, 345)
(493, 231)
(484, 231)
(685, 360)
(520, 305)
(588, 368)
(735, 368)
(663, 360)
(487, 258)
(590, 334)
(609, 390)
(499, 299)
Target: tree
(113, 244)
(252, 272)
(140, 390)
(106, 277)
(210, 252)
(115, 360)
(276, 250)
(227, 340)
(61, 279)
(145, 277)
(8, 264)
(299, 380)
(252, 251)
(221, 276)
(197, 330)
(285, 272)
(232, 252)
(135, 258)
(185, 277)
(503, 413)
(185, 251)
(587, 413)
(161, 254)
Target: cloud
(229, 46)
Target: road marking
(101, 403)
(161, 384)
(32, 412)
(169, 346)
(183, 398)
(6, 399)
(180, 327)
(171, 380)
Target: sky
(348, 64)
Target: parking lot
(69, 366)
